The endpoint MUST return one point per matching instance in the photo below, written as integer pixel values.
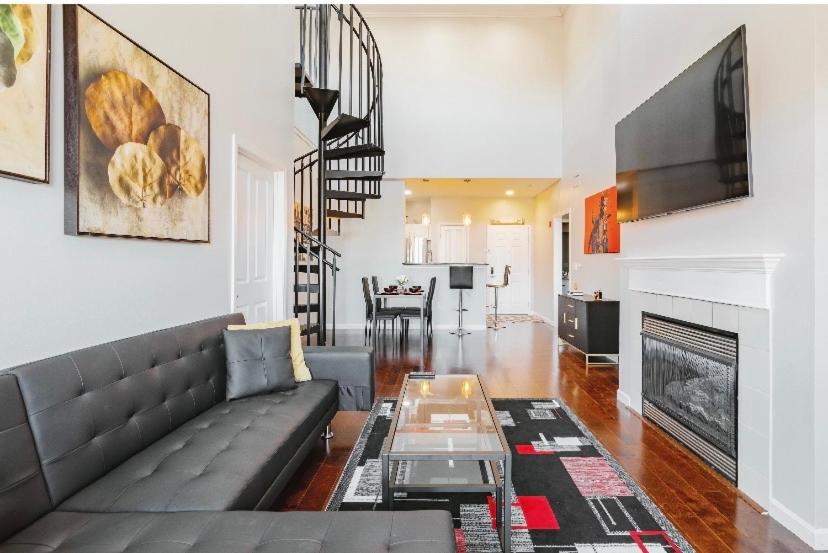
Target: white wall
(471, 97)
(616, 57)
(60, 292)
(371, 246)
(376, 246)
(543, 262)
(821, 267)
(450, 211)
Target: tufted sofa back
(92, 409)
(23, 496)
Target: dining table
(402, 293)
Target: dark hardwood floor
(523, 361)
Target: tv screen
(688, 145)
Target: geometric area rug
(569, 494)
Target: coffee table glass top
(445, 414)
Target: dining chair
(379, 302)
(382, 313)
(407, 313)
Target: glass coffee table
(445, 437)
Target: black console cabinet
(590, 326)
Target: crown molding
(460, 11)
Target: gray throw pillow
(258, 361)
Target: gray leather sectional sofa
(130, 447)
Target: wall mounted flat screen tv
(688, 146)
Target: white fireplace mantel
(743, 280)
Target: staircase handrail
(316, 241)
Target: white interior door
(509, 245)
(254, 232)
(454, 244)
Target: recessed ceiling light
(408, 192)
(510, 193)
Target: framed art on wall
(602, 232)
(137, 139)
(24, 91)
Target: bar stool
(497, 288)
(461, 277)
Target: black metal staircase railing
(313, 257)
(340, 74)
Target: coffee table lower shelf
(391, 463)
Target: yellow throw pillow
(301, 373)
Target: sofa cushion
(23, 496)
(92, 409)
(224, 459)
(258, 361)
(238, 532)
(301, 373)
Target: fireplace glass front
(689, 386)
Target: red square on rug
(537, 512)
(637, 535)
(529, 449)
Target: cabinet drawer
(573, 331)
(567, 306)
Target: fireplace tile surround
(728, 293)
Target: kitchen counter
(443, 264)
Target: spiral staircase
(339, 73)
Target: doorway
(509, 245)
(561, 265)
(259, 239)
(454, 243)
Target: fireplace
(689, 387)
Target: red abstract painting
(602, 233)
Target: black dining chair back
(414, 312)
(432, 286)
(366, 292)
(375, 286)
(381, 313)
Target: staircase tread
(344, 124)
(337, 214)
(357, 151)
(322, 100)
(298, 89)
(344, 174)
(313, 287)
(333, 194)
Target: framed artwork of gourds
(137, 151)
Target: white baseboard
(816, 538)
(821, 539)
(623, 397)
(545, 319)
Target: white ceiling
(461, 10)
(476, 188)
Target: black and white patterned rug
(570, 495)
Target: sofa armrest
(352, 367)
